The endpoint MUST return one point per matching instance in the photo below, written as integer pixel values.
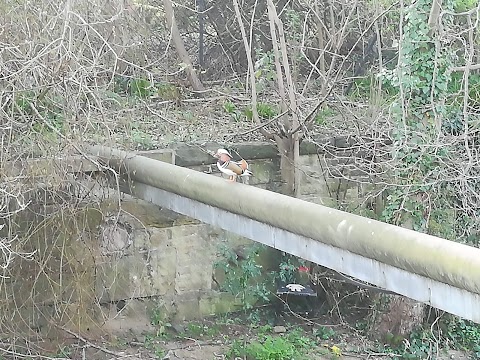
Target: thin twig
(260, 125)
(156, 113)
(90, 344)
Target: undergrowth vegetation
(256, 338)
(243, 278)
(294, 345)
(430, 342)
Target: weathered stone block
(218, 303)
(161, 307)
(193, 277)
(165, 155)
(195, 250)
(133, 317)
(155, 239)
(123, 278)
(163, 265)
(187, 307)
(264, 171)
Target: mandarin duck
(232, 168)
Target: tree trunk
(288, 149)
(288, 138)
(180, 47)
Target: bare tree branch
(182, 52)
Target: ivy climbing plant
(422, 77)
(419, 197)
(424, 70)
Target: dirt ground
(212, 339)
(191, 349)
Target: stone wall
(163, 264)
(170, 263)
(116, 264)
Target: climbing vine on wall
(421, 199)
(424, 69)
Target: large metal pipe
(439, 259)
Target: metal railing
(442, 273)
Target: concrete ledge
(194, 155)
(445, 261)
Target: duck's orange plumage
(243, 164)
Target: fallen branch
(17, 355)
(90, 344)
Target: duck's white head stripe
(223, 151)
